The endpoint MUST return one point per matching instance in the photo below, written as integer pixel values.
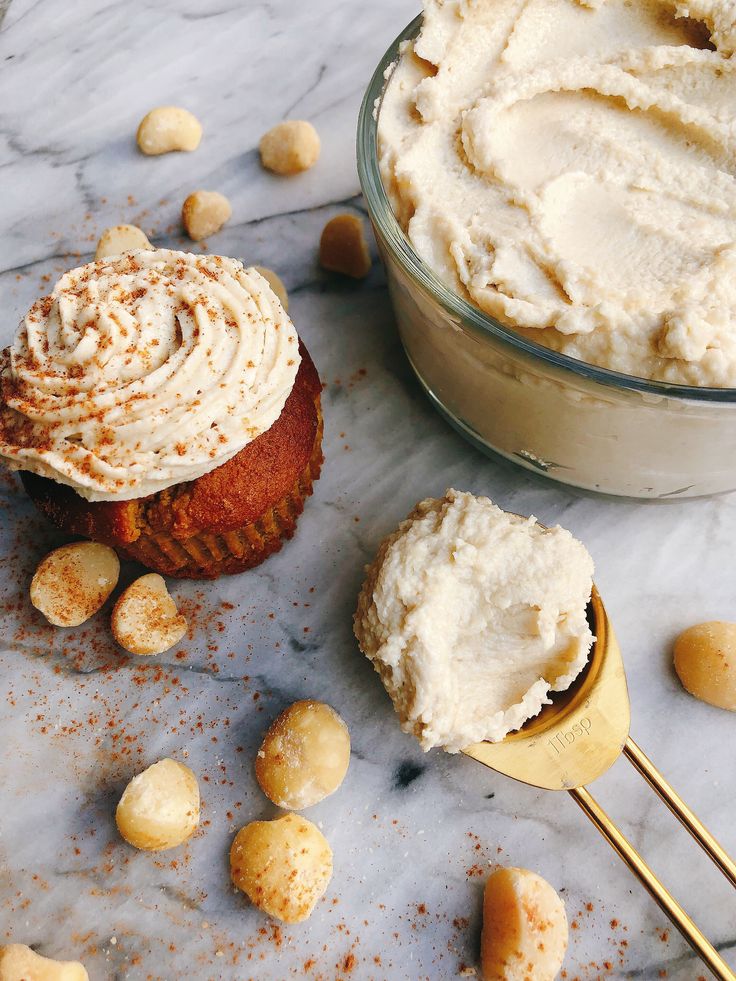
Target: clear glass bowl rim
(381, 213)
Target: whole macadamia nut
(343, 247)
(283, 866)
(524, 928)
(705, 662)
(145, 619)
(204, 213)
(74, 581)
(121, 238)
(290, 147)
(304, 756)
(168, 128)
(159, 808)
(19, 963)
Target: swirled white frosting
(569, 167)
(145, 370)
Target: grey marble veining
(413, 834)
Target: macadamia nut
(121, 238)
(705, 662)
(283, 866)
(74, 581)
(19, 963)
(168, 128)
(274, 281)
(145, 619)
(159, 808)
(343, 247)
(290, 147)
(524, 928)
(204, 213)
(304, 756)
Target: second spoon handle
(697, 940)
(680, 809)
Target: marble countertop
(413, 834)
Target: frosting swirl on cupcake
(145, 370)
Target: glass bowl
(579, 424)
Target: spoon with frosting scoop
(576, 739)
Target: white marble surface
(410, 832)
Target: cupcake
(162, 403)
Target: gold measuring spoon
(575, 740)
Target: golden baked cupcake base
(208, 555)
(225, 521)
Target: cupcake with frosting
(162, 403)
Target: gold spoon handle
(680, 809)
(700, 944)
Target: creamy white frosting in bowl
(524, 391)
(569, 167)
(145, 370)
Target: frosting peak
(144, 370)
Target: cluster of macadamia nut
(74, 581)
(285, 865)
(167, 129)
(291, 147)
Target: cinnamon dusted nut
(283, 866)
(524, 928)
(119, 239)
(145, 619)
(168, 128)
(274, 281)
(343, 247)
(159, 808)
(290, 147)
(74, 581)
(19, 963)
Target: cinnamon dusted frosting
(144, 370)
(569, 167)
